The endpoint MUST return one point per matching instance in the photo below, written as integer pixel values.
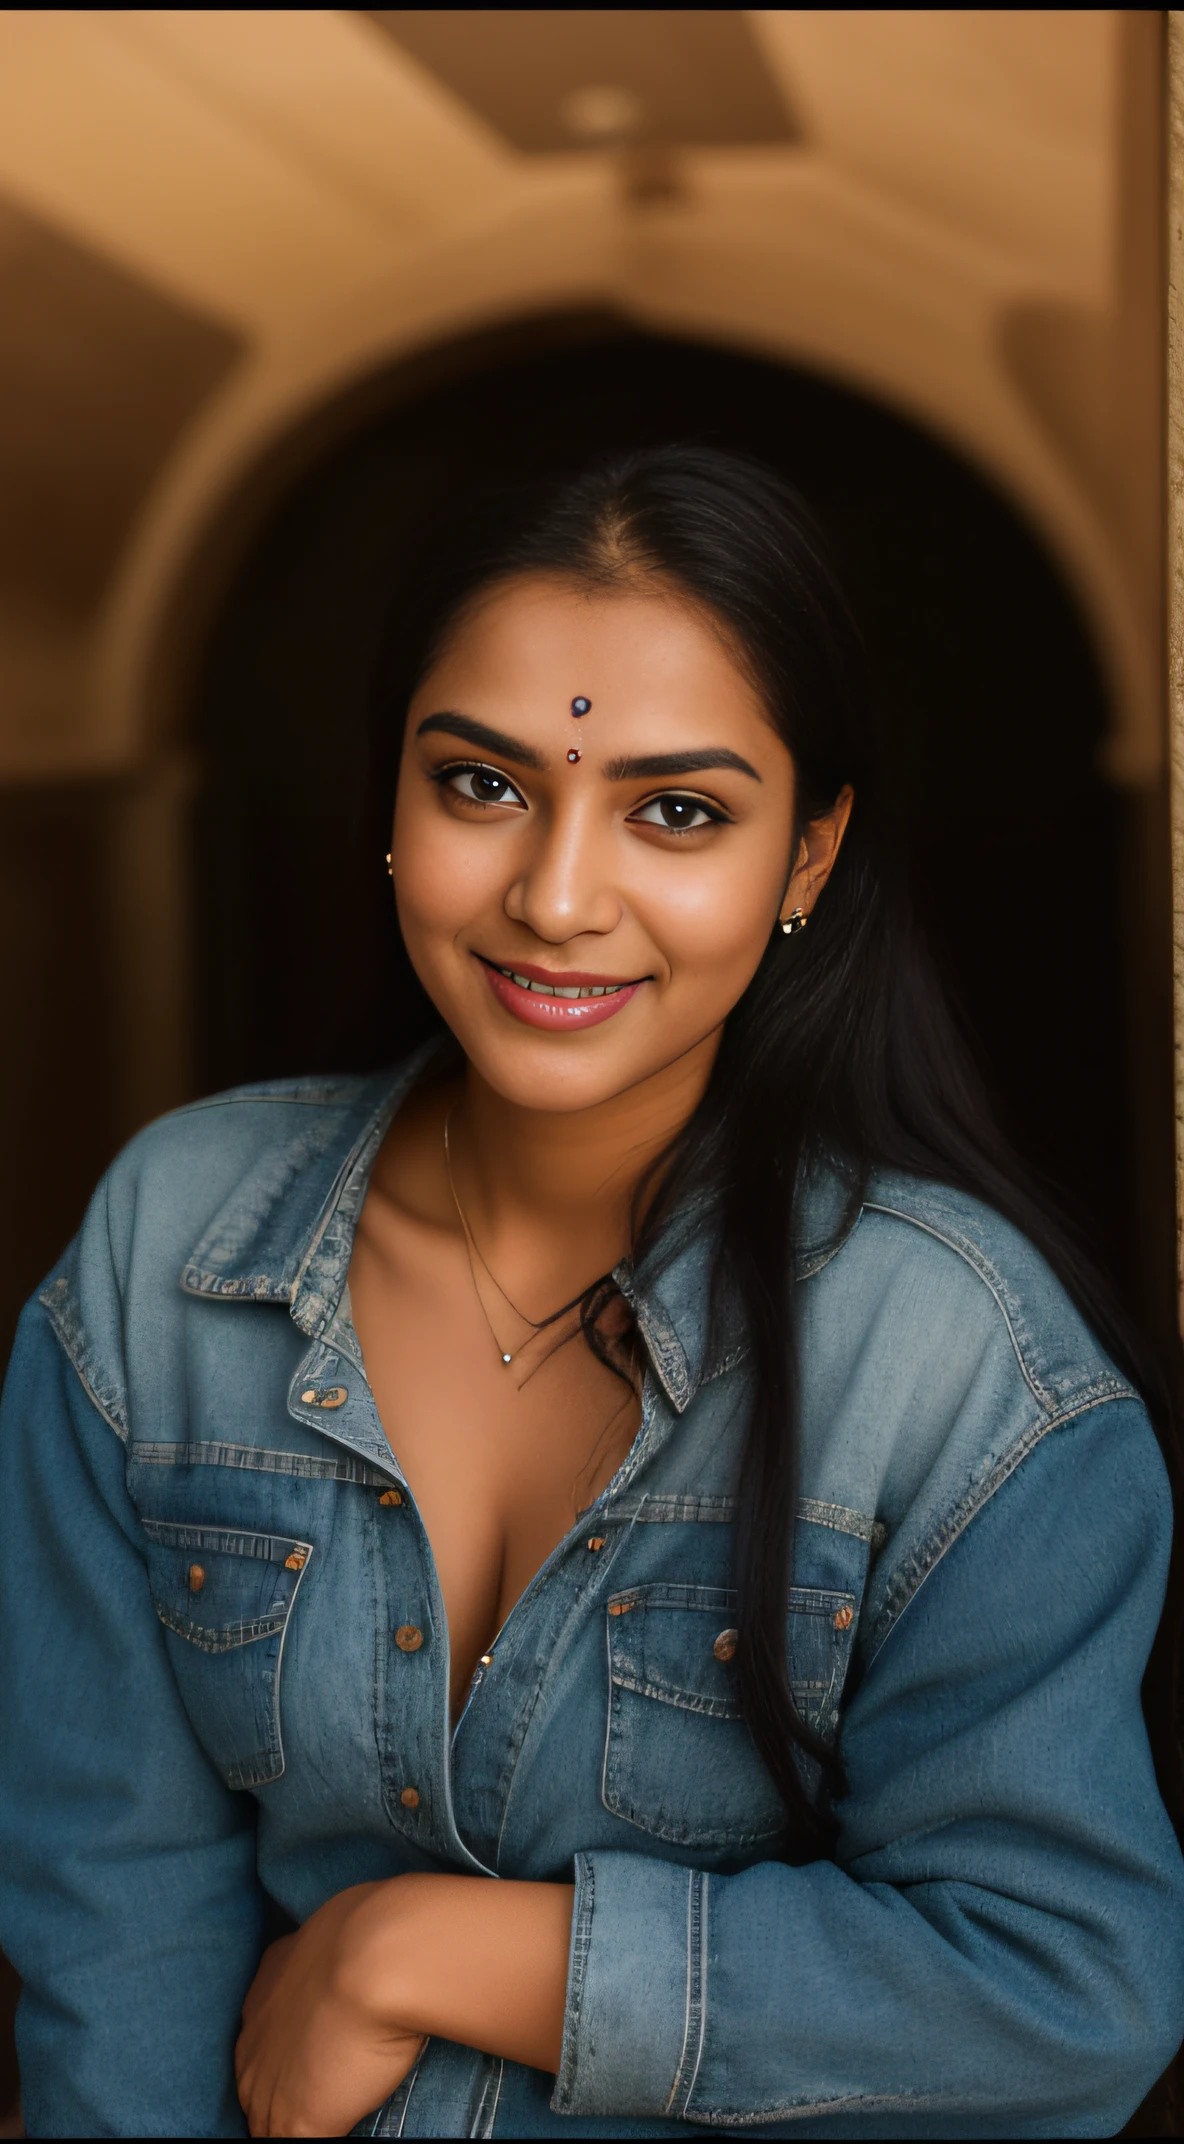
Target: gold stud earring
(797, 922)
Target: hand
(316, 2052)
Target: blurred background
(270, 281)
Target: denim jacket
(225, 1667)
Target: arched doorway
(991, 693)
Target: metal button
(408, 1638)
(309, 1398)
(390, 1496)
(844, 1618)
(409, 1798)
(596, 1542)
(725, 1645)
(296, 1561)
(197, 1578)
(325, 1396)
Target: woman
(630, 1538)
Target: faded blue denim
(997, 1949)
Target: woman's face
(634, 858)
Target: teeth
(563, 990)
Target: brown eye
(480, 785)
(677, 814)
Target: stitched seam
(690, 1509)
(963, 1516)
(986, 1273)
(789, 2110)
(667, 1510)
(71, 1339)
(277, 1715)
(703, 1912)
(320, 1098)
(713, 1708)
(256, 1458)
(581, 1946)
(341, 1211)
(686, 2027)
(225, 1540)
(839, 1517)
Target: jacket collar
(286, 1232)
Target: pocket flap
(662, 1641)
(678, 1644)
(221, 1587)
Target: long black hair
(844, 1043)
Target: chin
(554, 1072)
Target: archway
(991, 692)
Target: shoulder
(962, 1278)
(939, 1351)
(940, 1284)
(248, 1168)
(170, 1181)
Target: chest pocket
(678, 1760)
(225, 1598)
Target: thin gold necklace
(472, 1247)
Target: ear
(817, 850)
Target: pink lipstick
(560, 1002)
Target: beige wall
(960, 229)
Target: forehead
(528, 647)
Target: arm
(340, 2011)
(998, 1948)
(129, 1902)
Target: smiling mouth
(555, 1005)
(559, 990)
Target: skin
(533, 862)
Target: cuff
(636, 2012)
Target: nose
(566, 887)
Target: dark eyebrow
(656, 764)
(486, 740)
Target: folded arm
(998, 1947)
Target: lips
(558, 1003)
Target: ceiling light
(601, 113)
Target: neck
(568, 1177)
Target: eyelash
(712, 813)
(445, 776)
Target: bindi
(579, 706)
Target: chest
(501, 1458)
(300, 1600)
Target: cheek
(712, 913)
(441, 879)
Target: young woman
(629, 1537)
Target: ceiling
(562, 79)
(211, 221)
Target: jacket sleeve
(129, 1901)
(997, 1949)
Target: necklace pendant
(507, 1358)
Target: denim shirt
(226, 1677)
